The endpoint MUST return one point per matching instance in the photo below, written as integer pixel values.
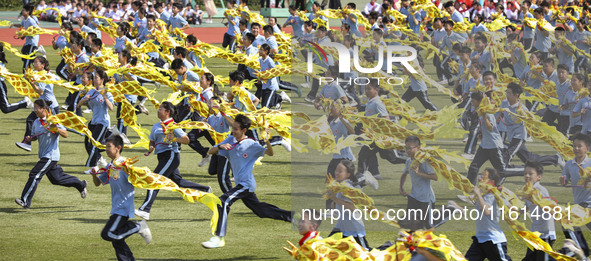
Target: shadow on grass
(15, 155)
(17, 209)
(87, 220)
(249, 257)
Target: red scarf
(165, 123)
(308, 236)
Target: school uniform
(539, 224)
(230, 35)
(242, 156)
(60, 70)
(238, 104)
(490, 148)
(421, 196)
(347, 224)
(528, 32)
(551, 114)
(98, 125)
(584, 103)
(418, 89)
(49, 155)
(120, 44)
(331, 91)
(219, 165)
(581, 196)
(31, 42)
(119, 227)
(516, 135)
(542, 43)
(340, 132)
(490, 241)
(176, 21)
(169, 159)
(131, 98)
(5, 105)
(269, 96)
(47, 95)
(368, 159)
(582, 61)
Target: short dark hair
(237, 76)
(477, 96)
(448, 4)
(583, 137)
(255, 24)
(548, 60)
(493, 175)
(563, 67)
(449, 22)
(177, 64)
(466, 49)
(116, 140)
(98, 42)
(268, 29)
(414, 139)
(191, 39)
(249, 37)
(487, 73)
(244, 121)
(350, 166)
(515, 88)
(182, 51)
(535, 165)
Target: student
(550, 74)
(533, 175)
(563, 109)
(491, 144)
(368, 154)
(45, 91)
(418, 87)
(308, 227)
(269, 96)
(121, 41)
(295, 21)
(100, 101)
(563, 52)
(543, 41)
(206, 82)
(528, 32)
(332, 90)
(221, 123)
(230, 35)
(581, 110)
(176, 20)
(347, 224)
(49, 154)
(31, 42)
(242, 153)
(570, 101)
(5, 105)
(581, 194)
(490, 241)
(421, 196)
(516, 132)
(168, 154)
(125, 60)
(236, 79)
(119, 227)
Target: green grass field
(62, 226)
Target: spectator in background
(198, 14)
(476, 9)
(42, 5)
(189, 14)
(464, 10)
(372, 6)
(512, 12)
(210, 9)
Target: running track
(206, 34)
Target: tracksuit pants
(168, 166)
(261, 209)
(56, 176)
(117, 229)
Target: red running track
(206, 34)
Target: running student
(242, 153)
(118, 228)
(49, 154)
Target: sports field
(62, 226)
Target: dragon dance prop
(22, 86)
(321, 138)
(16, 52)
(188, 124)
(33, 30)
(144, 178)
(571, 215)
(70, 120)
(38, 13)
(359, 199)
(338, 248)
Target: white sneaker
(143, 109)
(65, 107)
(143, 214)
(443, 82)
(371, 180)
(92, 170)
(305, 85)
(561, 161)
(102, 162)
(41, 50)
(24, 146)
(87, 111)
(204, 161)
(454, 206)
(468, 156)
(214, 242)
(285, 97)
(115, 131)
(145, 231)
(84, 192)
(30, 104)
(286, 145)
(308, 100)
